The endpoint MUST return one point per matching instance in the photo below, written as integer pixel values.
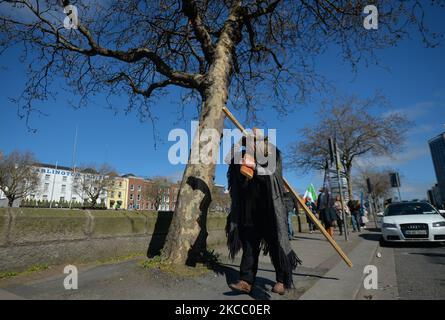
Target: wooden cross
(300, 201)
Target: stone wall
(55, 236)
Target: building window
(47, 176)
(46, 187)
(131, 187)
(120, 183)
(131, 196)
(62, 199)
(64, 178)
(139, 188)
(63, 188)
(112, 194)
(139, 197)
(45, 197)
(119, 195)
(73, 199)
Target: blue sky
(411, 77)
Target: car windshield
(409, 208)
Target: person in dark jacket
(291, 210)
(354, 208)
(258, 221)
(311, 205)
(326, 211)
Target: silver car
(412, 222)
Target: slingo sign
(56, 172)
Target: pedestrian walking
(311, 205)
(339, 213)
(291, 210)
(354, 208)
(325, 208)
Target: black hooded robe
(258, 220)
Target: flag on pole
(310, 194)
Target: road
(420, 271)
(408, 272)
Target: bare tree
(154, 191)
(18, 177)
(379, 179)
(214, 49)
(220, 200)
(358, 133)
(92, 182)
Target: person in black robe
(258, 221)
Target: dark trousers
(251, 240)
(340, 225)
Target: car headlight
(439, 224)
(389, 225)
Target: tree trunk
(187, 235)
(93, 202)
(11, 201)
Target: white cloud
(410, 153)
(415, 111)
(415, 189)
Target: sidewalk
(348, 281)
(322, 275)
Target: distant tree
(250, 53)
(155, 190)
(220, 200)
(358, 133)
(379, 179)
(93, 181)
(18, 177)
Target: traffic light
(394, 179)
(369, 185)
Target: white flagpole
(73, 165)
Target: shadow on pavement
(429, 254)
(308, 238)
(260, 290)
(371, 236)
(412, 245)
(294, 273)
(373, 229)
(157, 242)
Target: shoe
(311, 232)
(241, 286)
(279, 288)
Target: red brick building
(144, 194)
(137, 197)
